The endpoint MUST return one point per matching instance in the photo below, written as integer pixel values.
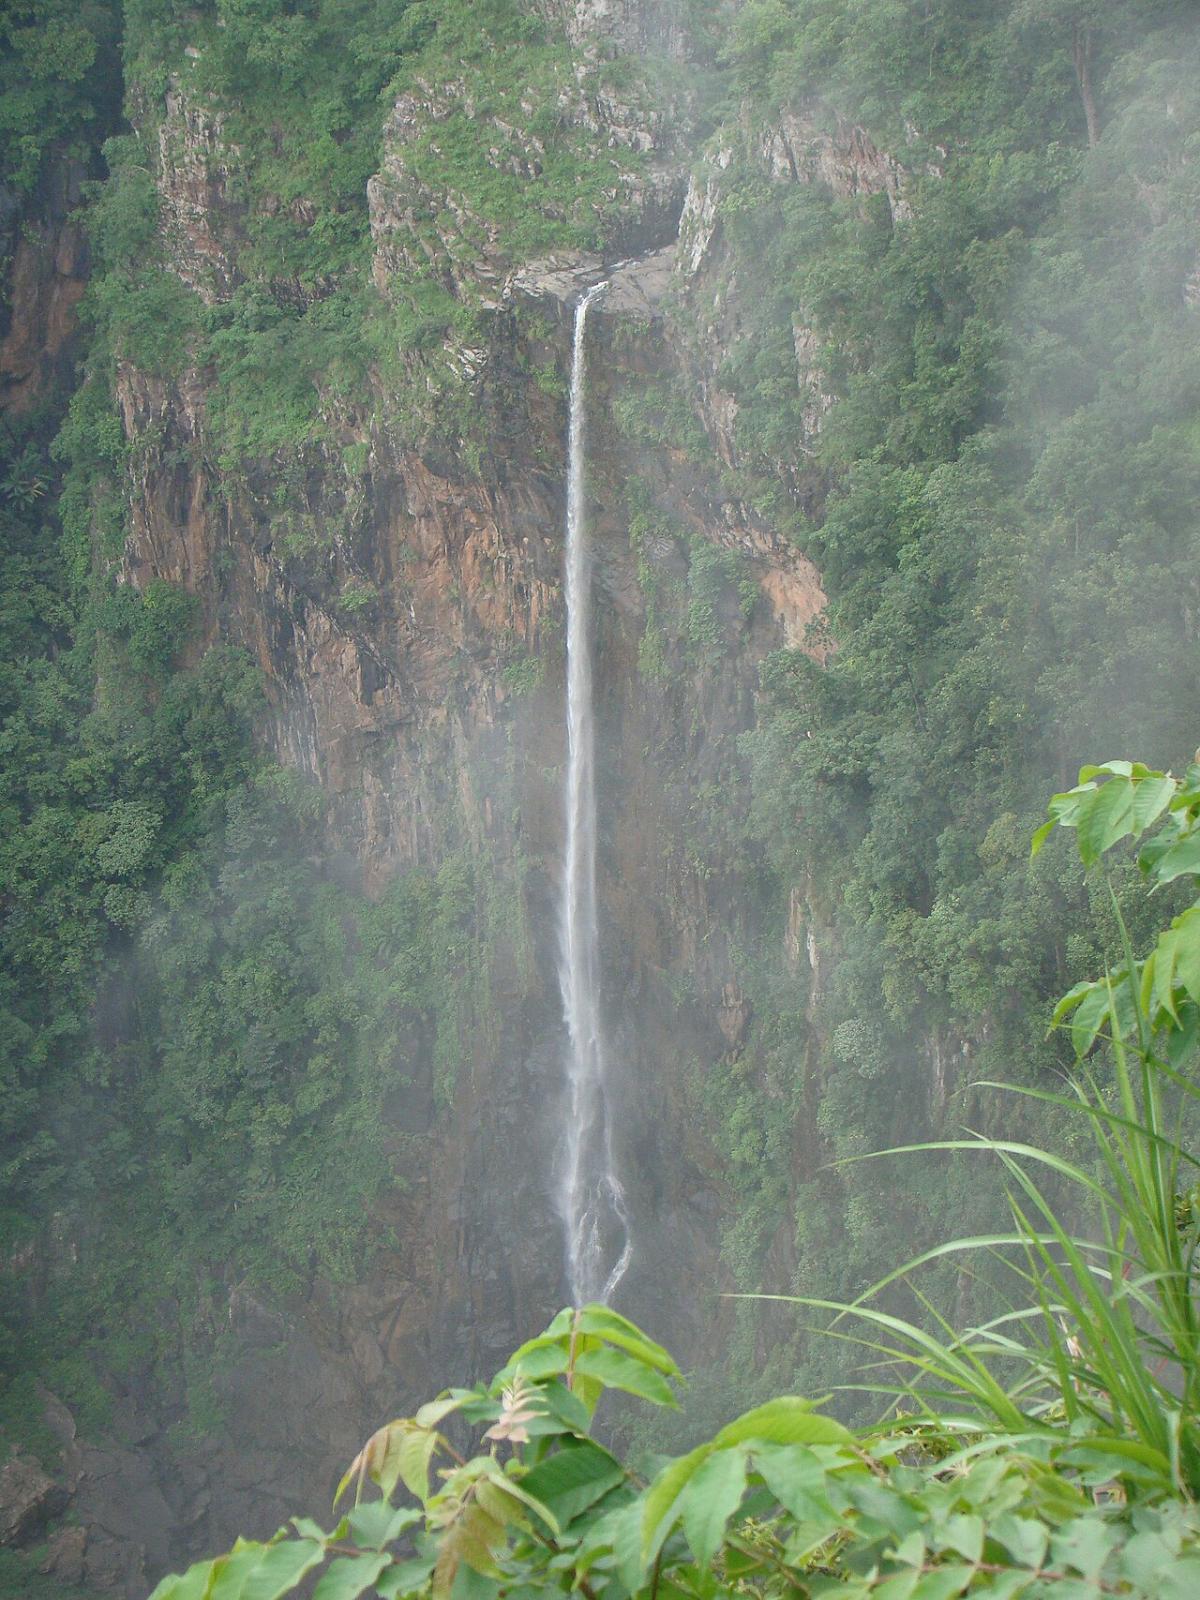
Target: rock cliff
(399, 589)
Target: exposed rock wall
(406, 615)
(47, 264)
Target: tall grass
(1097, 1353)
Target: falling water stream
(591, 1199)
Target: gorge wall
(316, 444)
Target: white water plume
(591, 1199)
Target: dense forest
(281, 467)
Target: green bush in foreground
(1054, 1450)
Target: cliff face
(400, 592)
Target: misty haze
(599, 704)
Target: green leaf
(1151, 797)
(1105, 817)
(405, 1577)
(627, 1544)
(713, 1494)
(797, 1480)
(881, 1504)
(432, 1412)
(573, 1479)
(1181, 858)
(1186, 931)
(567, 1407)
(898, 1587)
(963, 1535)
(375, 1523)
(280, 1570)
(618, 1330)
(190, 1585)
(1025, 1538)
(787, 1420)
(1084, 1544)
(943, 1583)
(662, 1494)
(263, 1571)
(616, 1370)
(408, 1461)
(348, 1576)
(1042, 834)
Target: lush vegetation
(196, 1019)
(1055, 1449)
(1000, 500)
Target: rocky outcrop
(419, 226)
(202, 226)
(47, 269)
(28, 1498)
(633, 27)
(810, 145)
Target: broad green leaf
(797, 1480)
(626, 1535)
(405, 1577)
(432, 1412)
(408, 1461)
(573, 1479)
(476, 1537)
(943, 1583)
(514, 1490)
(787, 1420)
(1105, 817)
(541, 1358)
(898, 1587)
(564, 1405)
(1124, 769)
(662, 1494)
(1025, 1538)
(911, 1549)
(348, 1577)
(190, 1585)
(616, 1370)
(1181, 858)
(880, 1504)
(1180, 945)
(1151, 797)
(375, 1523)
(263, 1571)
(618, 1330)
(1041, 835)
(308, 1529)
(962, 1534)
(1084, 1544)
(712, 1495)
(281, 1569)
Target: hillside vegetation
(199, 1018)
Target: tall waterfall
(591, 1199)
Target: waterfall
(590, 1198)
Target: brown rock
(28, 1497)
(65, 1554)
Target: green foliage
(59, 81)
(781, 1501)
(991, 441)
(1055, 1446)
